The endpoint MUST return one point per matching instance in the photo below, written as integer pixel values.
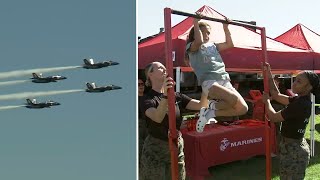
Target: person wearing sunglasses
(140, 88)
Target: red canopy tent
(246, 55)
(302, 37)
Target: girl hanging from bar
(205, 60)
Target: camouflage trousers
(142, 134)
(155, 160)
(294, 158)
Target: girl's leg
(221, 104)
(231, 102)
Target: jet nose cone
(114, 63)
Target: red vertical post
(266, 90)
(171, 98)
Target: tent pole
(178, 78)
(313, 114)
(312, 125)
(171, 98)
(266, 90)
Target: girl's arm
(229, 43)
(198, 38)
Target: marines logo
(224, 144)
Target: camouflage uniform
(294, 151)
(294, 158)
(142, 128)
(156, 162)
(142, 134)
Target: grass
(254, 168)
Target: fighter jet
(93, 88)
(90, 64)
(33, 104)
(38, 78)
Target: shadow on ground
(253, 168)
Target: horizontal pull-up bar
(215, 19)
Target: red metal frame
(171, 97)
(266, 90)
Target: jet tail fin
(35, 75)
(88, 61)
(29, 101)
(90, 85)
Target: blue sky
(276, 16)
(89, 136)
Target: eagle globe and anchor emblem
(224, 144)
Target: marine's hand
(168, 83)
(266, 67)
(265, 97)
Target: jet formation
(91, 87)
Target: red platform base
(220, 144)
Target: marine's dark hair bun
(314, 81)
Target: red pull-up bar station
(171, 98)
